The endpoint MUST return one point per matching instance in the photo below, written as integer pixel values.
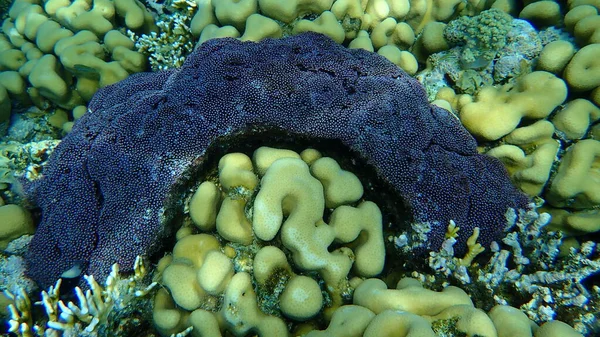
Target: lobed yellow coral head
(204, 205)
(409, 296)
(555, 56)
(260, 27)
(391, 323)
(511, 322)
(495, 112)
(583, 71)
(347, 321)
(575, 118)
(326, 24)
(234, 12)
(528, 155)
(302, 298)
(339, 186)
(542, 13)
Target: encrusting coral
(481, 36)
(475, 55)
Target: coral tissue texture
(106, 187)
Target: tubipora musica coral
(109, 189)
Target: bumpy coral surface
(109, 185)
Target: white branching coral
(20, 313)
(527, 262)
(92, 308)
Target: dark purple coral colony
(103, 196)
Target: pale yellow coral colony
(62, 51)
(282, 263)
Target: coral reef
(527, 89)
(123, 162)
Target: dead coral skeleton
(92, 309)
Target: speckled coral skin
(106, 186)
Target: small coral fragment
(93, 310)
